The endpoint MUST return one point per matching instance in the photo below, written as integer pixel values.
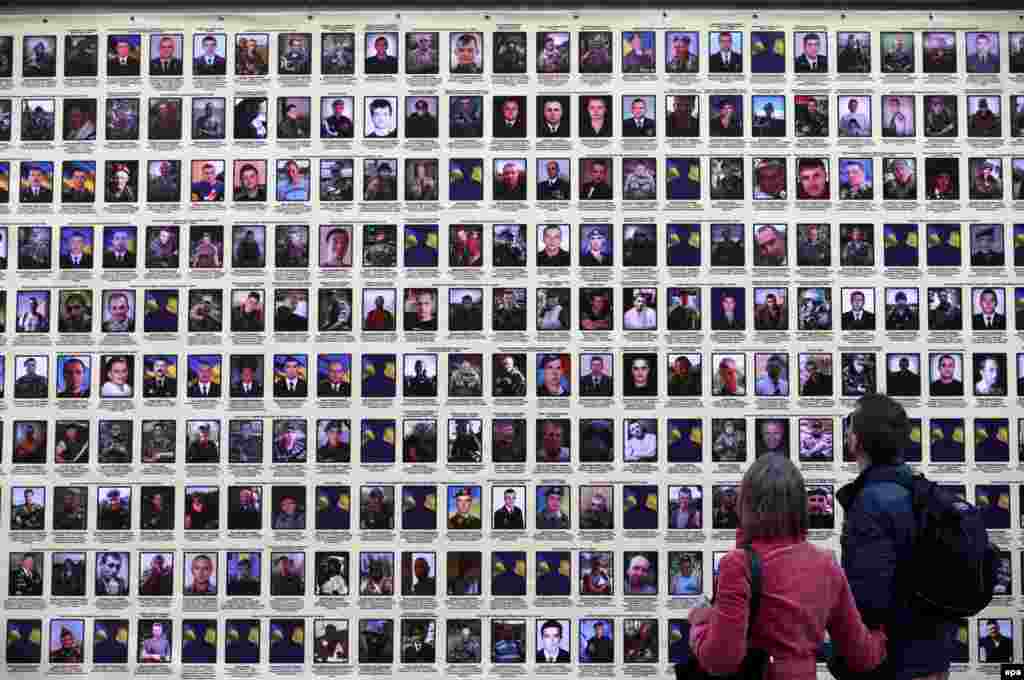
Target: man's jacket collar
(899, 473)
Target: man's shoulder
(884, 496)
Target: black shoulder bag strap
(756, 660)
(755, 585)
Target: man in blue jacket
(877, 540)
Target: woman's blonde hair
(773, 499)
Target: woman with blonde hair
(803, 593)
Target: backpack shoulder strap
(755, 584)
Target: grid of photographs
(539, 290)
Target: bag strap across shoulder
(755, 585)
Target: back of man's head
(882, 427)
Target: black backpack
(950, 533)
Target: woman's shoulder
(823, 555)
(800, 551)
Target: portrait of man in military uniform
(466, 515)
(114, 509)
(377, 513)
(26, 579)
(551, 515)
(70, 508)
(290, 512)
(28, 511)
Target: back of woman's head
(773, 499)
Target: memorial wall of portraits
(439, 343)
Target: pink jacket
(804, 593)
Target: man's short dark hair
(552, 624)
(380, 104)
(810, 164)
(549, 358)
(882, 426)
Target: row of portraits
(288, 118)
(511, 52)
(467, 440)
(418, 508)
(596, 640)
(513, 181)
(940, 373)
(686, 509)
(415, 573)
(503, 639)
(589, 245)
(555, 308)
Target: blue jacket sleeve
(875, 538)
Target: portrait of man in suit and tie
(554, 116)
(37, 182)
(124, 55)
(597, 382)
(209, 50)
(638, 124)
(76, 248)
(555, 184)
(983, 52)
(291, 383)
(812, 53)
(509, 117)
(728, 309)
(550, 640)
(987, 303)
(509, 515)
(158, 380)
(246, 377)
(858, 317)
(725, 52)
(201, 378)
(166, 51)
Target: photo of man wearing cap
(465, 516)
(334, 448)
(291, 514)
(551, 515)
(114, 510)
(290, 442)
(376, 513)
(202, 447)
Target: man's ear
(855, 443)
